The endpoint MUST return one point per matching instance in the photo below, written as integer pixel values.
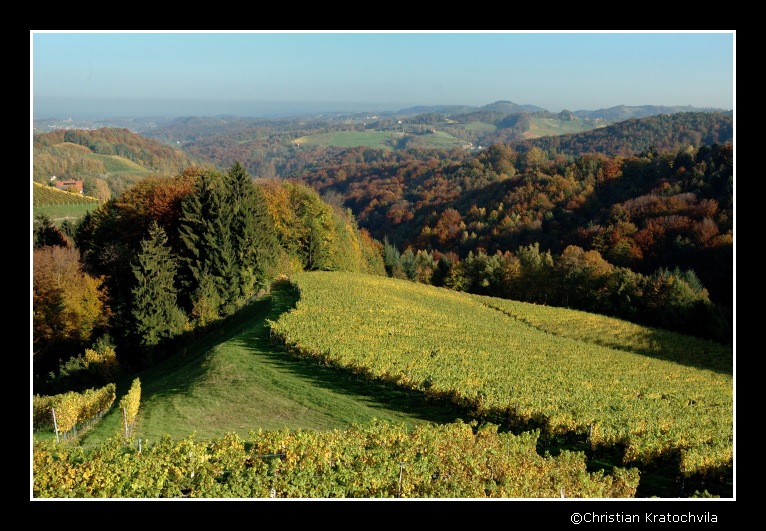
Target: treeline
(670, 299)
(172, 255)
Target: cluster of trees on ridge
(171, 255)
(663, 132)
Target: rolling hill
(367, 348)
(107, 159)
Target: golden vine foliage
(71, 408)
(508, 361)
(378, 460)
(131, 402)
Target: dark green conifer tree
(46, 233)
(252, 232)
(228, 243)
(155, 311)
(206, 240)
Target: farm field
(115, 164)
(373, 139)
(378, 139)
(550, 127)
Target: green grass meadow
(235, 379)
(550, 127)
(377, 139)
(373, 139)
(59, 213)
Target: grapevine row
(130, 403)
(378, 460)
(71, 409)
(452, 346)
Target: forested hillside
(282, 147)
(108, 160)
(663, 132)
(646, 217)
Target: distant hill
(664, 132)
(502, 106)
(147, 124)
(505, 108)
(511, 108)
(441, 109)
(626, 112)
(106, 159)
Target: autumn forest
(577, 221)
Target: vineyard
(116, 164)
(527, 376)
(377, 460)
(59, 205)
(43, 195)
(459, 348)
(618, 334)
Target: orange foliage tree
(68, 306)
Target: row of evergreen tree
(227, 244)
(173, 255)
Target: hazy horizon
(96, 75)
(106, 109)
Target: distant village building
(69, 186)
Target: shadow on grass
(376, 395)
(249, 330)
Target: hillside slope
(457, 348)
(106, 158)
(235, 379)
(379, 348)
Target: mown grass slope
(236, 379)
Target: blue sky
(105, 74)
